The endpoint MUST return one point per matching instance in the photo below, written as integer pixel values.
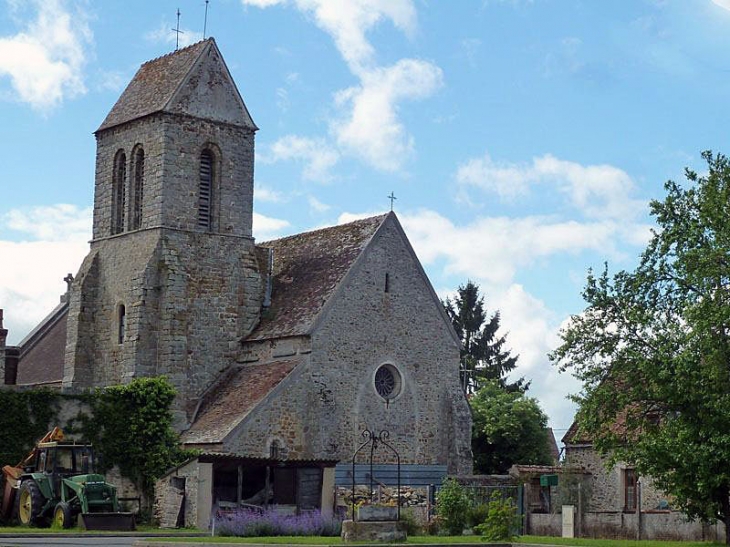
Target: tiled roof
(575, 435)
(308, 268)
(154, 85)
(234, 397)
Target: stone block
(387, 531)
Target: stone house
(282, 352)
(624, 504)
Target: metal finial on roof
(205, 21)
(392, 198)
(177, 31)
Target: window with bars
(119, 194)
(205, 190)
(138, 189)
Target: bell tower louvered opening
(205, 190)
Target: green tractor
(58, 483)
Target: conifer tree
(483, 353)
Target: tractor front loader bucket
(107, 521)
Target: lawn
(476, 540)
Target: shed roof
(234, 397)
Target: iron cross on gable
(392, 198)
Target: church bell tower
(171, 282)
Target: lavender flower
(270, 522)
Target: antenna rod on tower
(205, 21)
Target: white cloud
(505, 244)
(317, 156)
(165, 34)
(317, 206)
(725, 4)
(61, 222)
(45, 60)
(54, 242)
(264, 193)
(369, 125)
(597, 191)
(266, 228)
(348, 21)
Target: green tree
(509, 428)
(483, 353)
(652, 349)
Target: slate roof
(308, 268)
(234, 397)
(154, 85)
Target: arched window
(119, 197)
(205, 190)
(137, 189)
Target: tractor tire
(63, 516)
(30, 504)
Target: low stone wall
(385, 495)
(659, 525)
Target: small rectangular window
(630, 490)
(387, 282)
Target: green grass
(585, 542)
(318, 540)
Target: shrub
(248, 523)
(476, 515)
(502, 522)
(413, 527)
(452, 505)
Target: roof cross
(177, 31)
(392, 198)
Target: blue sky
(523, 139)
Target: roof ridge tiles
(177, 51)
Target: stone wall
(172, 145)
(607, 483)
(188, 299)
(666, 525)
(365, 328)
(169, 493)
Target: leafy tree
(652, 349)
(509, 428)
(483, 353)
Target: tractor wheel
(30, 503)
(62, 515)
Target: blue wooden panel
(410, 475)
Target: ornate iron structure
(374, 441)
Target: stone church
(280, 351)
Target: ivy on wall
(130, 425)
(24, 418)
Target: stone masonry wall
(366, 327)
(607, 483)
(188, 298)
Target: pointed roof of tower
(194, 80)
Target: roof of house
(232, 399)
(158, 82)
(575, 435)
(307, 270)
